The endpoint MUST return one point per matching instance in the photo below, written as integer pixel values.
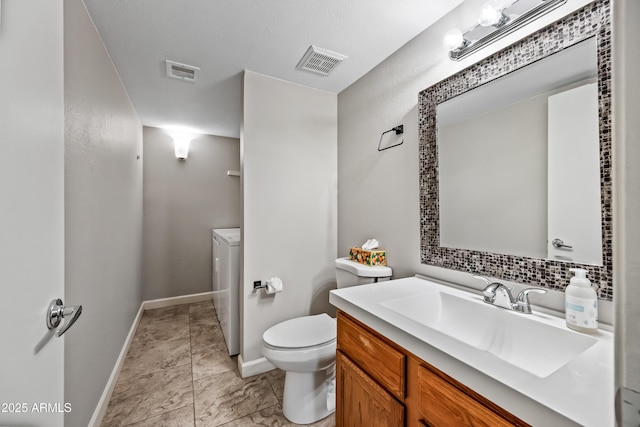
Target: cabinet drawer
(443, 405)
(380, 360)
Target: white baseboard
(103, 403)
(184, 299)
(253, 367)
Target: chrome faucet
(499, 295)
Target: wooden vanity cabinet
(381, 384)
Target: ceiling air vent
(320, 61)
(179, 71)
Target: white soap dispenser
(581, 303)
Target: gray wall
(289, 149)
(183, 201)
(103, 212)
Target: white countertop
(579, 393)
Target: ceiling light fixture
(497, 19)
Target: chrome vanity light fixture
(497, 19)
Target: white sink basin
(519, 339)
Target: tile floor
(178, 373)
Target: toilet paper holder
(272, 286)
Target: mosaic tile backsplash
(594, 20)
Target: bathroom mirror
(498, 142)
(515, 154)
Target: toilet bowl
(305, 348)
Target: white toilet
(305, 348)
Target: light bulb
(453, 39)
(491, 13)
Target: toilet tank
(351, 273)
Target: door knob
(57, 311)
(559, 244)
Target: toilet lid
(307, 331)
(362, 270)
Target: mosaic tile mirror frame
(593, 20)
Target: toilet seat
(302, 332)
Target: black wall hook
(398, 130)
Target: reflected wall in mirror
(515, 154)
(529, 139)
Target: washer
(225, 279)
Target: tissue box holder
(371, 258)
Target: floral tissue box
(373, 257)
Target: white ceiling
(224, 37)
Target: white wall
(626, 154)
(103, 212)
(289, 172)
(183, 201)
(385, 184)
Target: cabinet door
(361, 401)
